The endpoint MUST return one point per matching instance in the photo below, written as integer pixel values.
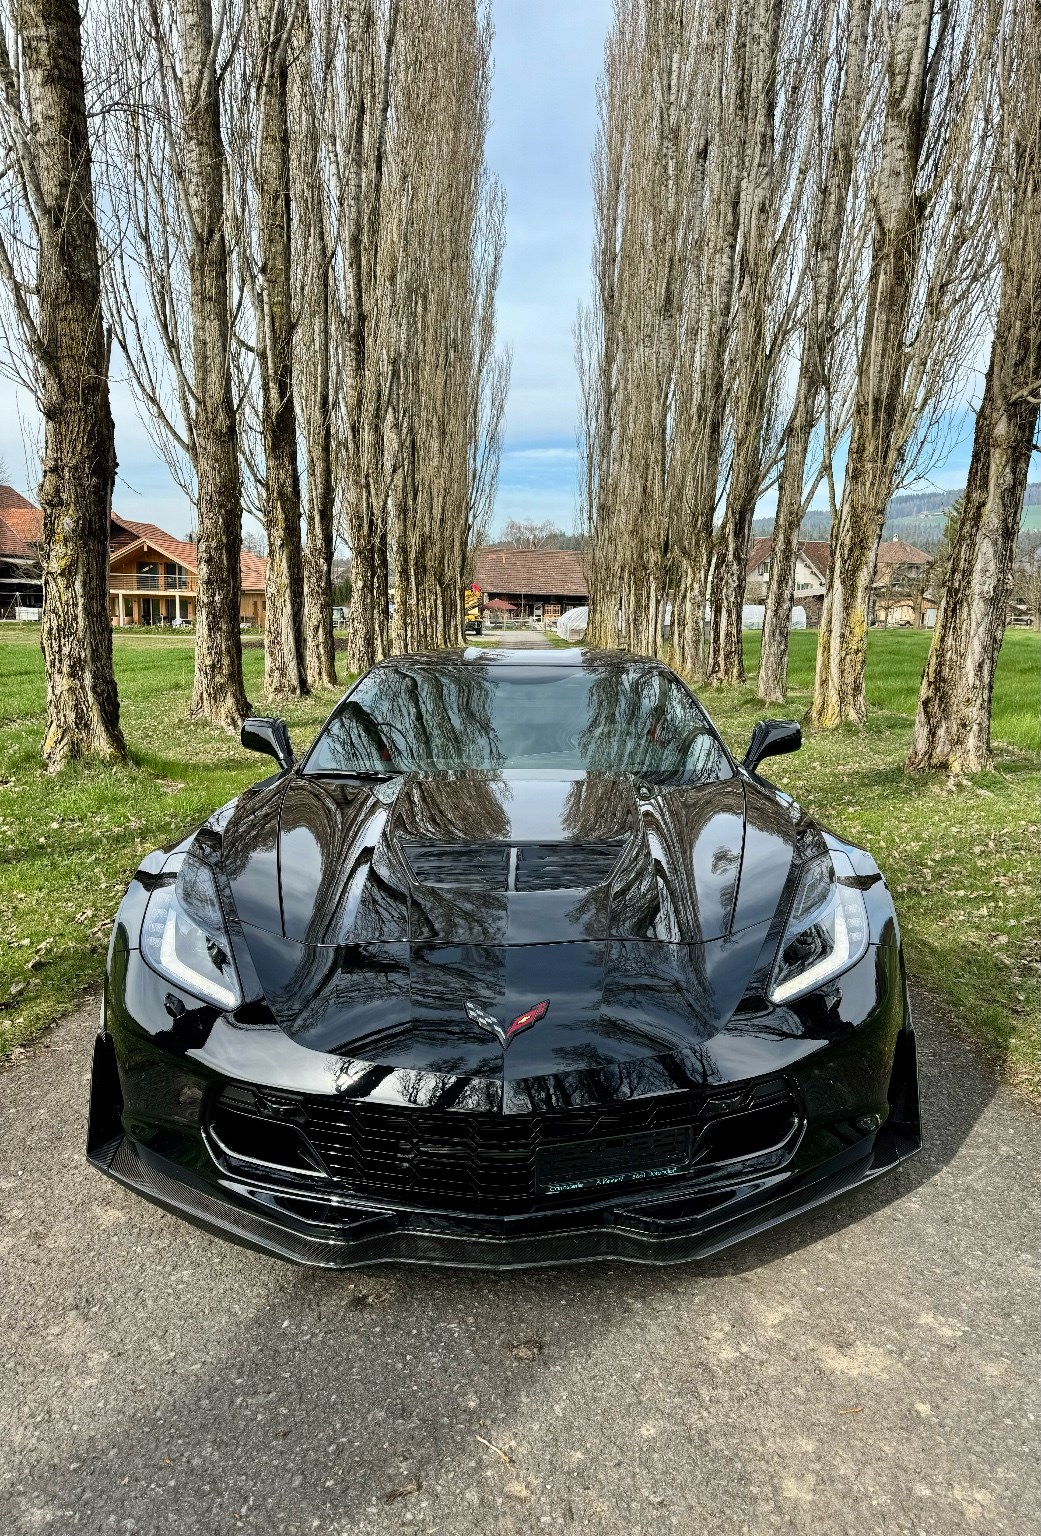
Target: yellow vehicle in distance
(473, 610)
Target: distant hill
(917, 516)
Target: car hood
(382, 917)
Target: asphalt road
(872, 1368)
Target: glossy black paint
(262, 733)
(772, 738)
(374, 922)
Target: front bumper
(659, 1225)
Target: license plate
(615, 1160)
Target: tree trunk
(952, 727)
(79, 457)
(318, 548)
(367, 641)
(284, 669)
(780, 595)
(318, 559)
(879, 431)
(218, 692)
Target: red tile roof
(12, 501)
(23, 521)
(254, 567)
(21, 525)
(531, 572)
(11, 544)
(898, 552)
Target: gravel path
(872, 1368)
(518, 639)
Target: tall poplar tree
(50, 271)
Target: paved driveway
(871, 1369)
(518, 639)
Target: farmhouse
(537, 583)
(898, 594)
(153, 578)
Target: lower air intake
(500, 1164)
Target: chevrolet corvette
(517, 966)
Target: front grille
(512, 1164)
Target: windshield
(469, 716)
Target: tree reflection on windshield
(616, 717)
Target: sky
(548, 55)
(547, 59)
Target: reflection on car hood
(507, 859)
(374, 912)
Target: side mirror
(260, 734)
(772, 738)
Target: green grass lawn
(962, 858)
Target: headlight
(827, 932)
(185, 938)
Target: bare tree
(422, 386)
(315, 56)
(699, 173)
(516, 533)
(167, 276)
(649, 183)
(359, 114)
(50, 271)
(259, 113)
(952, 727)
(449, 392)
(704, 398)
(840, 103)
(922, 306)
(757, 353)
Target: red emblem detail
(526, 1020)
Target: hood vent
(466, 866)
(565, 866)
(502, 867)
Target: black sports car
(517, 966)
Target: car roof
(530, 656)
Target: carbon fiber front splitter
(650, 1232)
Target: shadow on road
(241, 1379)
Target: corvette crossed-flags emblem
(488, 1021)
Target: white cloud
(543, 455)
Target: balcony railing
(134, 581)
